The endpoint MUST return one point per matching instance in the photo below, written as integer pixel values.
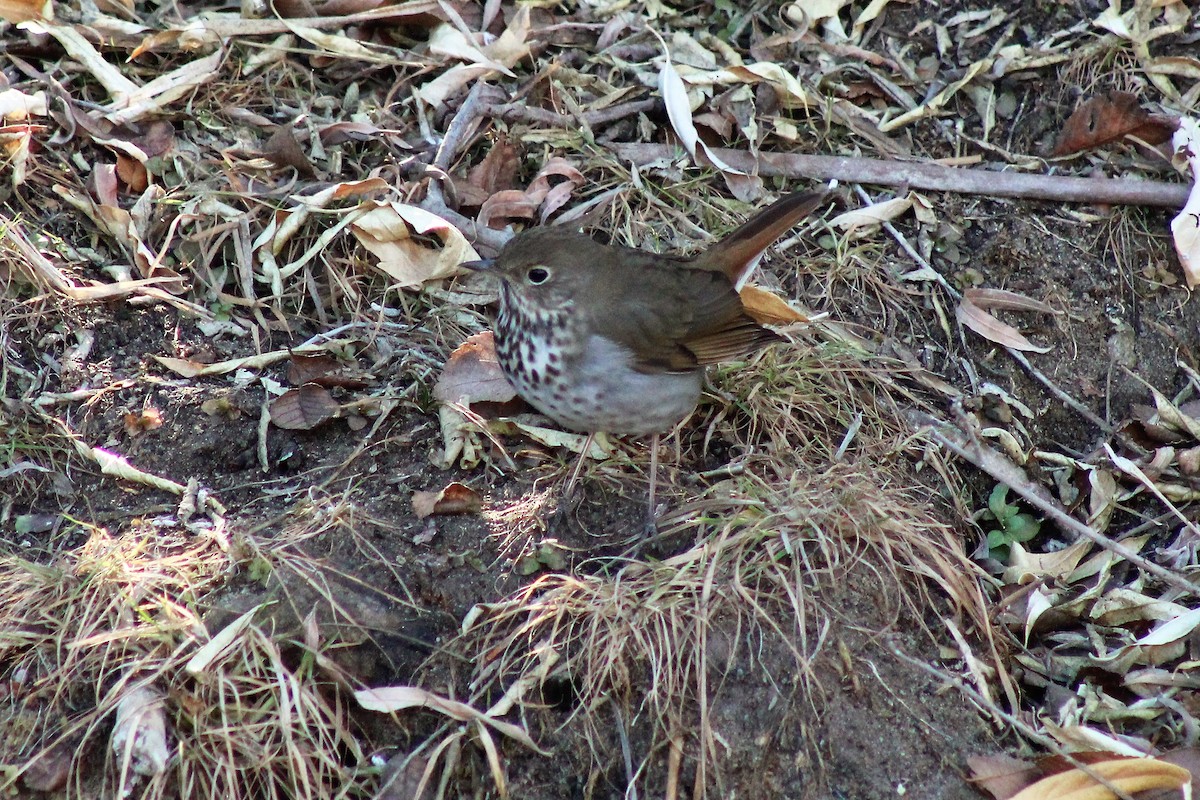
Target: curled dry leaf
(399, 698)
(457, 498)
(1185, 228)
(472, 374)
(304, 408)
(1127, 774)
(768, 308)
(399, 236)
(1108, 118)
(872, 215)
(504, 52)
(744, 186)
(992, 329)
(139, 736)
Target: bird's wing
(673, 316)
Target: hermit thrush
(607, 338)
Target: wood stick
(936, 177)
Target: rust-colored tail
(737, 253)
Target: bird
(607, 338)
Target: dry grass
(121, 613)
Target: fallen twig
(923, 175)
(514, 112)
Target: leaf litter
(361, 206)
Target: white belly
(609, 395)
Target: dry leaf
(304, 408)
(1128, 774)
(472, 374)
(283, 150)
(139, 736)
(745, 187)
(398, 235)
(992, 329)
(1001, 775)
(1006, 301)
(1024, 566)
(768, 308)
(1185, 228)
(875, 214)
(399, 698)
(1108, 118)
(147, 419)
(17, 11)
(457, 498)
(323, 370)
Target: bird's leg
(650, 510)
(587, 445)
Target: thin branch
(936, 177)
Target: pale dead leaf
(1185, 227)
(872, 215)
(1005, 300)
(599, 450)
(992, 329)
(399, 698)
(16, 105)
(194, 369)
(1024, 566)
(745, 187)
(139, 735)
(390, 232)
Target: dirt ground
(789, 632)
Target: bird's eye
(538, 275)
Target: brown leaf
(304, 408)
(992, 329)
(403, 778)
(145, 420)
(17, 11)
(323, 370)
(1006, 301)
(1110, 117)
(283, 150)
(509, 204)
(1002, 776)
(50, 771)
(498, 169)
(473, 375)
(457, 498)
(132, 173)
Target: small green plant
(1012, 524)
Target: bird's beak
(482, 265)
